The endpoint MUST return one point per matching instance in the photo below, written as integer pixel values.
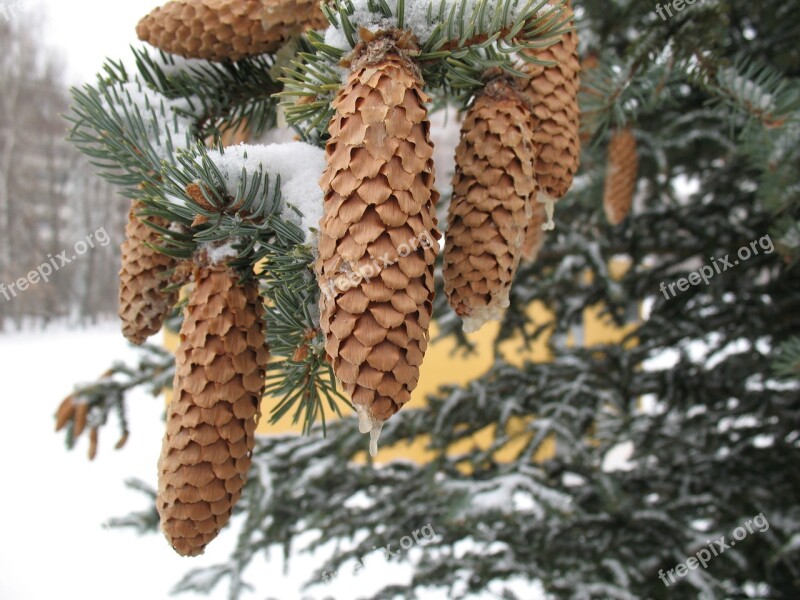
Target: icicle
(549, 207)
(364, 420)
(374, 435)
(366, 424)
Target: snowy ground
(54, 503)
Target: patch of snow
(618, 458)
(219, 254)
(299, 167)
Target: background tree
(50, 197)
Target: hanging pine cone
(143, 301)
(552, 93)
(493, 188)
(380, 227)
(221, 30)
(535, 233)
(211, 421)
(622, 170)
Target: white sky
(85, 32)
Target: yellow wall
(442, 367)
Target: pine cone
(212, 418)
(143, 301)
(552, 93)
(493, 188)
(221, 30)
(380, 226)
(535, 233)
(623, 168)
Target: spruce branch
(90, 405)
(232, 95)
(127, 140)
(787, 363)
(758, 91)
(462, 40)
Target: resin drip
(366, 424)
(549, 207)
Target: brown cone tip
(143, 301)
(493, 188)
(552, 93)
(219, 30)
(623, 168)
(211, 421)
(379, 228)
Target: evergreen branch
(299, 374)
(232, 95)
(455, 49)
(127, 139)
(758, 91)
(787, 363)
(90, 405)
(145, 521)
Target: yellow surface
(443, 367)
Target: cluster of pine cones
(518, 154)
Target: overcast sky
(84, 32)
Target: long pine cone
(212, 418)
(143, 279)
(221, 30)
(380, 227)
(552, 93)
(493, 188)
(621, 174)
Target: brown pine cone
(380, 227)
(493, 188)
(552, 93)
(621, 174)
(143, 301)
(221, 30)
(211, 421)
